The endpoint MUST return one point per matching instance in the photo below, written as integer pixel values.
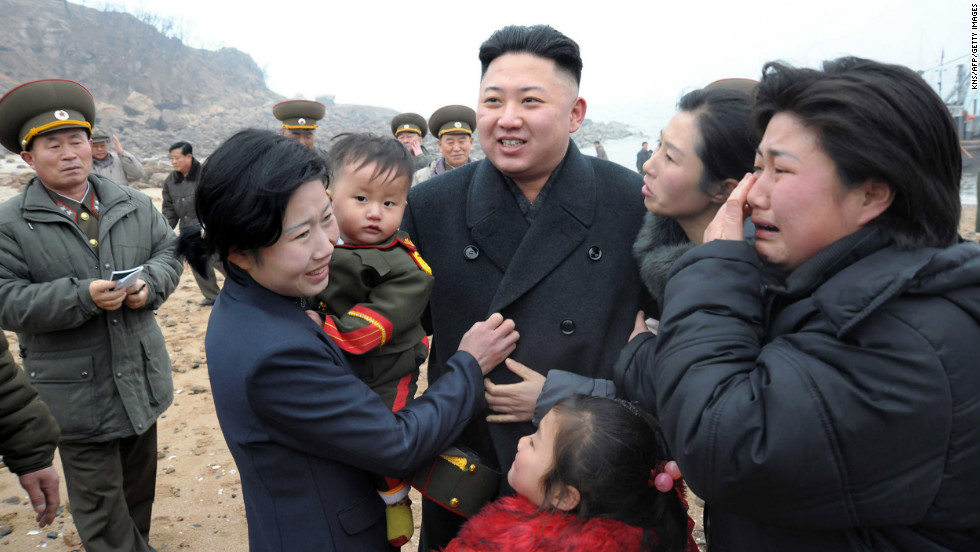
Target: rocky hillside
(151, 90)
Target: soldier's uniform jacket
(374, 306)
(28, 432)
(103, 374)
(120, 169)
(434, 168)
(178, 198)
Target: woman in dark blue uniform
(305, 432)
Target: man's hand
(490, 342)
(137, 294)
(105, 297)
(115, 141)
(415, 147)
(514, 402)
(42, 488)
(639, 325)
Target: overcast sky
(639, 57)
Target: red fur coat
(514, 524)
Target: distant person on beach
(93, 351)
(410, 129)
(307, 435)
(28, 437)
(642, 156)
(178, 207)
(600, 151)
(299, 120)
(537, 230)
(119, 166)
(819, 384)
(453, 128)
(379, 287)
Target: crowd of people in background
(775, 310)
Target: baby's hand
(315, 316)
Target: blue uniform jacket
(306, 433)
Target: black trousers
(111, 486)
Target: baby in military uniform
(379, 286)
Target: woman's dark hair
(539, 40)
(606, 448)
(726, 148)
(242, 196)
(877, 121)
(361, 149)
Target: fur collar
(661, 241)
(514, 524)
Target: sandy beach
(198, 502)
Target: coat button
(108, 266)
(595, 253)
(33, 375)
(93, 242)
(118, 374)
(471, 252)
(567, 327)
(115, 321)
(84, 373)
(83, 216)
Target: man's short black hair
(185, 147)
(539, 40)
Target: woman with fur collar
(702, 153)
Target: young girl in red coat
(591, 478)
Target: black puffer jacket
(835, 410)
(28, 432)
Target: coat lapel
(496, 224)
(559, 229)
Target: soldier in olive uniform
(299, 120)
(453, 128)
(410, 129)
(93, 352)
(119, 165)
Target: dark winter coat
(28, 432)
(659, 244)
(104, 374)
(569, 280)
(834, 409)
(178, 198)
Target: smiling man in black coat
(537, 231)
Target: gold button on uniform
(84, 216)
(93, 242)
(454, 502)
